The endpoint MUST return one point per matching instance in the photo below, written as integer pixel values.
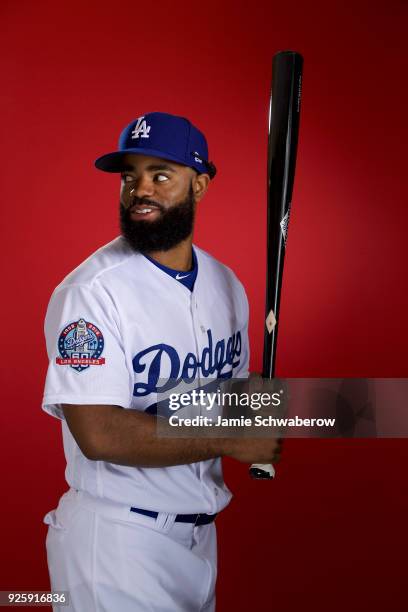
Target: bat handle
(262, 471)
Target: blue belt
(197, 519)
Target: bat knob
(259, 471)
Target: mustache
(144, 201)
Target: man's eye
(127, 178)
(161, 178)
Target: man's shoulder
(108, 258)
(211, 264)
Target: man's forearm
(129, 437)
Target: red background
(330, 532)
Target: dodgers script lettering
(219, 359)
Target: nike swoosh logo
(179, 277)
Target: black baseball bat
(284, 113)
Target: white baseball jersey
(116, 328)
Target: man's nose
(142, 187)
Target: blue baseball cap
(161, 135)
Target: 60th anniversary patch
(80, 345)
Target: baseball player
(135, 531)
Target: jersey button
(203, 329)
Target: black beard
(173, 226)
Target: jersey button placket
(200, 336)
(196, 327)
(198, 347)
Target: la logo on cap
(141, 129)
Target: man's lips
(140, 211)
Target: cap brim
(113, 162)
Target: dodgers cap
(161, 135)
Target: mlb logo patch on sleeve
(80, 345)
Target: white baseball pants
(110, 559)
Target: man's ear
(200, 185)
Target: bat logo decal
(284, 225)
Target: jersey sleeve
(87, 362)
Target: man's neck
(179, 257)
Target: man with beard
(135, 531)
